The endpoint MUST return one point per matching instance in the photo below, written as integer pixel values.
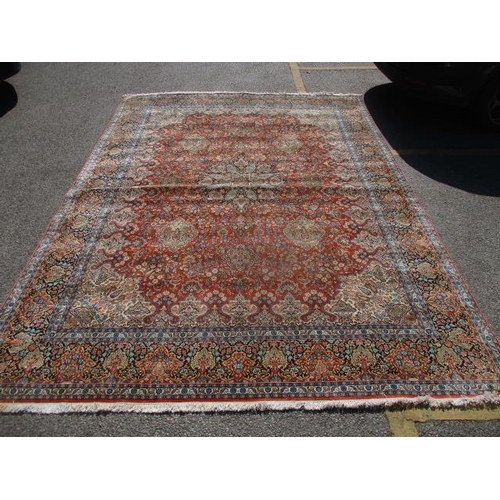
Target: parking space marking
(403, 423)
(297, 77)
(337, 68)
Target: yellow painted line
(402, 423)
(297, 77)
(336, 68)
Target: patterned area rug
(237, 251)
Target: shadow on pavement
(424, 132)
(8, 98)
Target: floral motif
(189, 310)
(75, 364)
(116, 360)
(274, 360)
(241, 182)
(290, 309)
(203, 360)
(158, 366)
(239, 309)
(319, 363)
(194, 143)
(175, 234)
(303, 232)
(238, 365)
(240, 257)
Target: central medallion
(304, 232)
(240, 258)
(175, 234)
(216, 234)
(242, 182)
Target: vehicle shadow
(8, 98)
(423, 133)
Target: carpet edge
(242, 406)
(39, 249)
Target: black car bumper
(432, 81)
(8, 69)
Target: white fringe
(242, 406)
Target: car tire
(487, 106)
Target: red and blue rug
(237, 251)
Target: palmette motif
(241, 246)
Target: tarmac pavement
(62, 109)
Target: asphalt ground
(51, 115)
